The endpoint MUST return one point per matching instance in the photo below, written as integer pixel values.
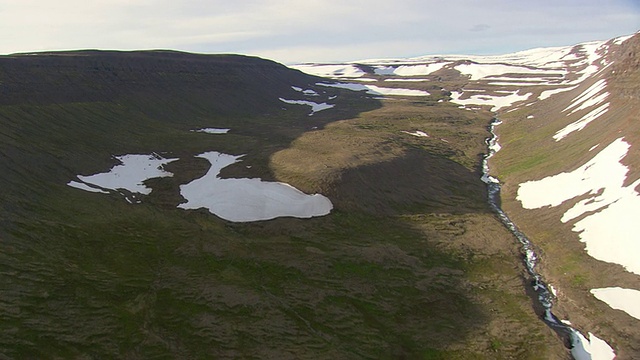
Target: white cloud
(313, 30)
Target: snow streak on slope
(610, 227)
(592, 349)
(498, 102)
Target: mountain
(566, 162)
(161, 204)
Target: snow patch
(587, 95)
(85, 187)
(480, 71)
(376, 90)
(245, 200)
(610, 227)
(417, 133)
(307, 92)
(580, 124)
(331, 70)
(212, 130)
(627, 300)
(315, 107)
(592, 349)
(498, 102)
(547, 93)
(130, 174)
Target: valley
(391, 251)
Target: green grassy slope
(530, 153)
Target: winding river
(544, 296)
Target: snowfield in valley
(243, 200)
(376, 90)
(130, 175)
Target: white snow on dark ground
(627, 300)
(308, 92)
(331, 70)
(245, 200)
(581, 123)
(417, 133)
(497, 102)
(85, 187)
(409, 70)
(480, 71)
(315, 107)
(376, 90)
(212, 130)
(593, 348)
(547, 93)
(610, 227)
(129, 175)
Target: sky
(294, 31)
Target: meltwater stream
(544, 295)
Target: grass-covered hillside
(570, 167)
(410, 262)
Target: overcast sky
(292, 31)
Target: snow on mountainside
(570, 153)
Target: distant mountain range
(158, 204)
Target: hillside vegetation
(410, 263)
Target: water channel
(544, 297)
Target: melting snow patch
(621, 39)
(498, 102)
(580, 124)
(315, 107)
(331, 70)
(547, 93)
(609, 231)
(85, 187)
(410, 70)
(212, 131)
(376, 90)
(627, 300)
(244, 200)
(589, 97)
(479, 71)
(417, 133)
(308, 92)
(592, 349)
(130, 175)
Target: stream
(544, 296)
